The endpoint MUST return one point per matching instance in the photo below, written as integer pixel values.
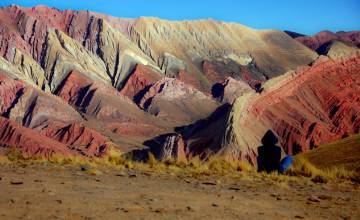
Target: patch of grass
(93, 171)
(4, 160)
(340, 153)
(14, 154)
(302, 167)
(152, 160)
(194, 167)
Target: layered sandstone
(29, 141)
(308, 107)
(139, 82)
(32, 111)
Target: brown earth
(46, 191)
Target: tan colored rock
(171, 99)
(337, 49)
(31, 71)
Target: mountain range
(83, 83)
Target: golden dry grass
(194, 167)
(302, 167)
(342, 153)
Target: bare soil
(48, 191)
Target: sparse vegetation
(194, 167)
(302, 167)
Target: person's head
(269, 138)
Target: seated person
(269, 155)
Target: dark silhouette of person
(269, 155)
(259, 88)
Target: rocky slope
(110, 48)
(306, 108)
(337, 49)
(317, 41)
(76, 82)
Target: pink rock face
(28, 28)
(29, 141)
(79, 138)
(321, 38)
(74, 88)
(319, 104)
(114, 110)
(10, 90)
(141, 78)
(45, 133)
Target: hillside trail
(48, 191)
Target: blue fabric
(285, 164)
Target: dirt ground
(47, 191)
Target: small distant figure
(258, 88)
(269, 155)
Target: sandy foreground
(47, 191)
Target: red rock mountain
(78, 82)
(321, 40)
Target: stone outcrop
(167, 146)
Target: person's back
(269, 155)
(269, 158)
